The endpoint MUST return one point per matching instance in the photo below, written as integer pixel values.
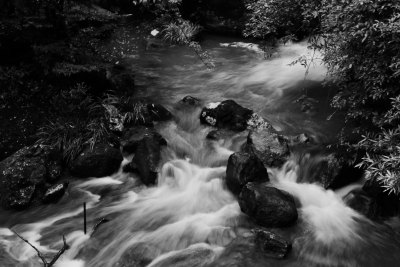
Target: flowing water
(190, 215)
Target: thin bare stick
(41, 256)
(102, 220)
(59, 253)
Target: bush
(180, 32)
(279, 18)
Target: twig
(102, 220)
(41, 256)
(59, 253)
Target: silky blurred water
(189, 214)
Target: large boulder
(243, 168)
(25, 174)
(268, 146)
(226, 114)
(102, 160)
(256, 248)
(268, 206)
(146, 144)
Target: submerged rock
(194, 256)
(146, 144)
(102, 160)
(226, 114)
(255, 248)
(243, 168)
(190, 101)
(272, 244)
(268, 206)
(23, 176)
(54, 193)
(268, 146)
(139, 255)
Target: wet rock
(54, 193)
(272, 244)
(258, 123)
(23, 176)
(268, 146)
(158, 112)
(255, 248)
(139, 255)
(54, 170)
(299, 140)
(102, 160)
(145, 114)
(147, 147)
(243, 168)
(190, 101)
(226, 114)
(307, 104)
(133, 136)
(330, 171)
(194, 256)
(21, 198)
(383, 204)
(268, 206)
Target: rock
(299, 140)
(158, 112)
(268, 146)
(23, 176)
(330, 171)
(55, 192)
(194, 256)
(307, 104)
(21, 198)
(271, 244)
(133, 136)
(190, 101)
(383, 204)
(258, 123)
(255, 248)
(147, 145)
(226, 114)
(54, 170)
(243, 168)
(102, 161)
(145, 114)
(138, 255)
(214, 135)
(268, 206)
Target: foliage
(278, 18)
(360, 42)
(382, 160)
(180, 32)
(80, 123)
(72, 136)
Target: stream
(190, 214)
